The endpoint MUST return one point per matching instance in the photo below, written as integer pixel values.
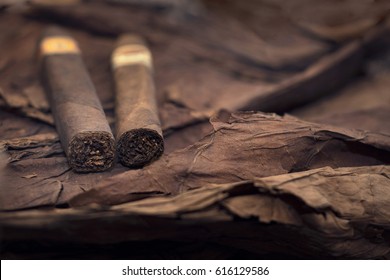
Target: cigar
(84, 132)
(138, 129)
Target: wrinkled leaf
(337, 213)
(244, 146)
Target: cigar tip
(91, 151)
(130, 39)
(55, 30)
(138, 147)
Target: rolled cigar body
(84, 132)
(138, 129)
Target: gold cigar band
(130, 55)
(59, 45)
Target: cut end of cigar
(139, 147)
(91, 151)
(130, 39)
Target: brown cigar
(138, 129)
(82, 126)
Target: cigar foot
(91, 151)
(139, 147)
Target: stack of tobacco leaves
(275, 118)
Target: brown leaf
(33, 141)
(345, 21)
(30, 176)
(321, 213)
(233, 67)
(244, 146)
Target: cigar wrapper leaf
(138, 129)
(84, 132)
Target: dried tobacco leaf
(361, 105)
(342, 22)
(244, 146)
(374, 119)
(318, 213)
(209, 29)
(21, 103)
(194, 66)
(220, 91)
